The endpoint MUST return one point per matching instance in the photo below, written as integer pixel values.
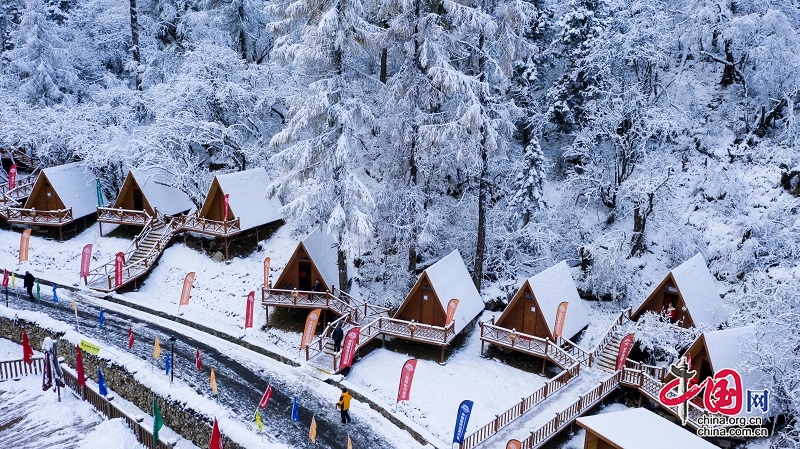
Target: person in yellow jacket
(344, 405)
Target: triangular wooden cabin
(637, 428)
(314, 258)
(688, 295)
(143, 196)
(447, 279)
(60, 196)
(534, 307)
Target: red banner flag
(130, 338)
(225, 212)
(188, 281)
(216, 437)
(5, 278)
(561, 315)
(265, 399)
(624, 349)
(86, 256)
(24, 242)
(79, 366)
(349, 347)
(266, 272)
(248, 315)
(27, 351)
(119, 261)
(12, 177)
(406, 377)
(451, 311)
(310, 327)
(197, 362)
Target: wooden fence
(123, 216)
(44, 217)
(13, 369)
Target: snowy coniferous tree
(527, 196)
(322, 147)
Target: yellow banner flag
(24, 241)
(258, 421)
(213, 381)
(157, 349)
(313, 432)
(13, 280)
(89, 347)
(349, 443)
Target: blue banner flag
(295, 410)
(101, 383)
(461, 421)
(55, 296)
(167, 364)
(38, 291)
(99, 193)
(101, 320)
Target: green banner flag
(99, 194)
(158, 422)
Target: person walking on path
(344, 405)
(337, 336)
(28, 283)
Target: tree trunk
(135, 46)
(384, 53)
(480, 247)
(341, 260)
(640, 214)
(728, 73)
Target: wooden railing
(651, 387)
(338, 302)
(656, 372)
(622, 318)
(143, 434)
(123, 216)
(12, 369)
(22, 189)
(33, 216)
(318, 344)
(529, 344)
(575, 351)
(213, 227)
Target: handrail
(208, 226)
(122, 216)
(609, 335)
(23, 215)
(11, 369)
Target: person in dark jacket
(28, 283)
(337, 336)
(317, 287)
(344, 405)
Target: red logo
(723, 392)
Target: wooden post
(60, 238)
(101, 229)
(441, 357)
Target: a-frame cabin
(314, 258)
(688, 296)
(144, 195)
(60, 196)
(534, 308)
(427, 301)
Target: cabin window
(426, 287)
(528, 296)
(533, 308)
(48, 194)
(424, 297)
(672, 289)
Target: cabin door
(50, 197)
(304, 276)
(426, 305)
(138, 203)
(529, 315)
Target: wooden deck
(19, 215)
(193, 223)
(123, 216)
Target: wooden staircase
(607, 360)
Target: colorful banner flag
(12, 177)
(349, 347)
(187, 289)
(167, 364)
(312, 432)
(158, 421)
(462, 419)
(27, 350)
(295, 410)
(24, 242)
(266, 272)
(561, 315)
(514, 444)
(38, 291)
(310, 327)
(13, 280)
(86, 257)
(624, 349)
(101, 383)
(265, 399)
(55, 295)
(99, 193)
(349, 443)
(101, 319)
(225, 212)
(216, 437)
(258, 421)
(451, 311)
(197, 362)
(89, 347)
(74, 306)
(5, 277)
(157, 349)
(248, 314)
(119, 261)
(131, 338)
(213, 381)
(406, 377)
(79, 366)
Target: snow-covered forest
(623, 136)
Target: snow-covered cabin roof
(732, 348)
(248, 199)
(450, 279)
(167, 199)
(699, 291)
(74, 187)
(322, 249)
(553, 286)
(638, 427)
